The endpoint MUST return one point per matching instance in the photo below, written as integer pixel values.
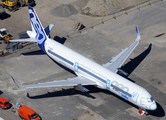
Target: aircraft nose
(153, 106)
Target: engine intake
(79, 87)
(122, 73)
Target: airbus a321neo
(88, 72)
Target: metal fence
(114, 16)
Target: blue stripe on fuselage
(90, 73)
(62, 58)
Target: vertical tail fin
(33, 30)
(37, 27)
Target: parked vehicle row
(24, 112)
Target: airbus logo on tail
(38, 28)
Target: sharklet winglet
(14, 82)
(138, 35)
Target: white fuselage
(104, 78)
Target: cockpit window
(150, 99)
(143, 100)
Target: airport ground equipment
(4, 35)
(4, 103)
(14, 4)
(27, 113)
(2, 11)
(1, 52)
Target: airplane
(88, 72)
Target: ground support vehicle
(14, 4)
(4, 35)
(1, 52)
(4, 103)
(27, 113)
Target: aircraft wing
(119, 59)
(24, 40)
(47, 30)
(68, 82)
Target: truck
(27, 113)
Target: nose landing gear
(143, 112)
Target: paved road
(8, 115)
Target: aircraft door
(76, 66)
(108, 83)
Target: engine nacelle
(122, 73)
(80, 88)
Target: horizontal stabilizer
(48, 29)
(24, 40)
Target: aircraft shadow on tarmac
(37, 52)
(159, 112)
(132, 65)
(1, 92)
(33, 4)
(60, 40)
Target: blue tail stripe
(40, 33)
